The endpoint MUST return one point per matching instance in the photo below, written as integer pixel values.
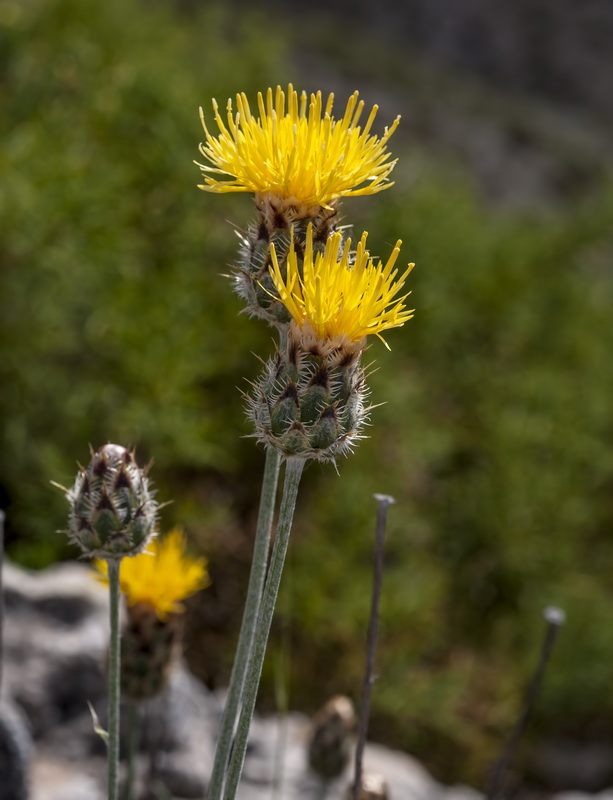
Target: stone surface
(15, 753)
(565, 763)
(56, 633)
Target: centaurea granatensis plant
(298, 272)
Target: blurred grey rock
(332, 737)
(571, 764)
(55, 657)
(15, 753)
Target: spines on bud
(112, 510)
(309, 402)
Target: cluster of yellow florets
(339, 293)
(162, 576)
(296, 149)
(295, 155)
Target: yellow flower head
(295, 151)
(161, 577)
(337, 296)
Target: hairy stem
(249, 624)
(133, 742)
(293, 473)
(114, 660)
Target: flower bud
(309, 402)
(112, 510)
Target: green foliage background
(495, 436)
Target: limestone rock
(56, 637)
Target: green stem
(293, 472)
(249, 624)
(133, 737)
(114, 659)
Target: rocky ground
(54, 653)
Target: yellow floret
(161, 577)
(296, 151)
(337, 295)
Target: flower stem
(383, 503)
(293, 473)
(249, 624)
(554, 618)
(114, 660)
(133, 742)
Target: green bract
(112, 510)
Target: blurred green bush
(116, 323)
(496, 440)
(495, 436)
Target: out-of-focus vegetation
(116, 323)
(495, 436)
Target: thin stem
(156, 739)
(114, 660)
(1, 597)
(133, 741)
(383, 503)
(282, 703)
(293, 473)
(250, 621)
(554, 617)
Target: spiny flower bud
(112, 510)
(309, 402)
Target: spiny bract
(112, 510)
(309, 402)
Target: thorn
(105, 503)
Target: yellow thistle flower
(339, 296)
(295, 152)
(162, 576)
